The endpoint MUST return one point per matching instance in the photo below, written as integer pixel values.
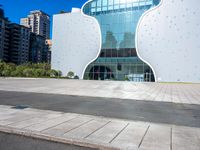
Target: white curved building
(135, 40)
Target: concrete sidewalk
(97, 132)
(163, 92)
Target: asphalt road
(158, 112)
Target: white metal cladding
(76, 42)
(168, 39)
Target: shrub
(2, 65)
(19, 71)
(76, 77)
(28, 72)
(7, 69)
(126, 78)
(14, 73)
(39, 73)
(6, 73)
(53, 73)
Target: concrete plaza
(163, 92)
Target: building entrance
(100, 73)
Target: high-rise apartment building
(4, 37)
(27, 42)
(37, 47)
(40, 49)
(39, 22)
(19, 43)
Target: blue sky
(16, 9)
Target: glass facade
(118, 59)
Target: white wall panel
(168, 38)
(76, 42)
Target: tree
(62, 12)
(70, 74)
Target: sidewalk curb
(41, 136)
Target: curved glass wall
(118, 58)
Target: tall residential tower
(19, 43)
(4, 37)
(39, 22)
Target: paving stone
(185, 138)
(25, 123)
(62, 129)
(5, 107)
(22, 116)
(7, 114)
(158, 137)
(87, 129)
(36, 111)
(108, 132)
(131, 137)
(14, 118)
(51, 123)
(4, 117)
(35, 120)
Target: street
(158, 112)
